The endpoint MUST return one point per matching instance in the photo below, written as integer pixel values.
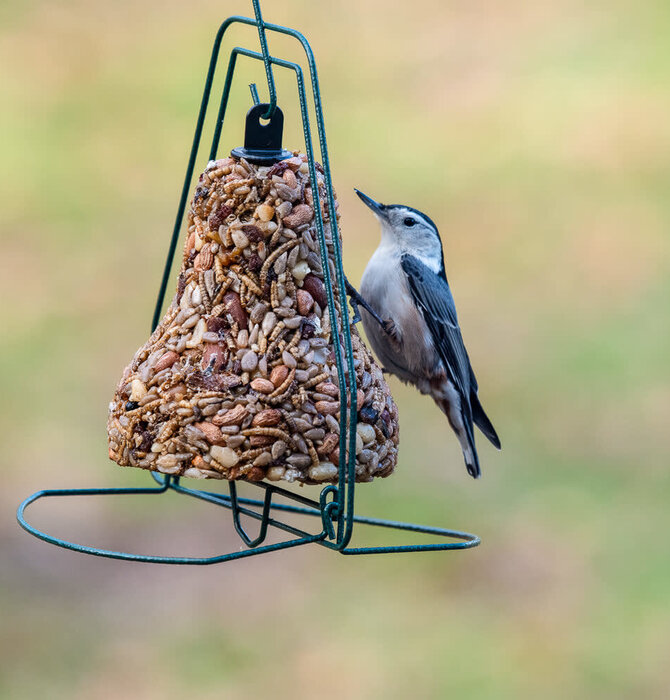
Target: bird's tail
(469, 449)
(482, 420)
(461, 424)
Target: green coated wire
(346, 501)
(346, 479)
(467, 540)
(266, 60)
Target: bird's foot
(356, 318)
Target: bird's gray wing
(432, 295)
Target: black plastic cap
(263, 142)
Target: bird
(410, 319)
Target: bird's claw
(356, 318)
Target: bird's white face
(408, 231)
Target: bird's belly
(414, 358)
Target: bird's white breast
(384, 286)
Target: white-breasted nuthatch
(410, 319)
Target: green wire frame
(335, 506)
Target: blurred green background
(537, 135)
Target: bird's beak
(376, 207)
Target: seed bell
(239, 380)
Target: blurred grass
(537, 136)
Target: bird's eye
(409, 221)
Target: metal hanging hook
(266, 60)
